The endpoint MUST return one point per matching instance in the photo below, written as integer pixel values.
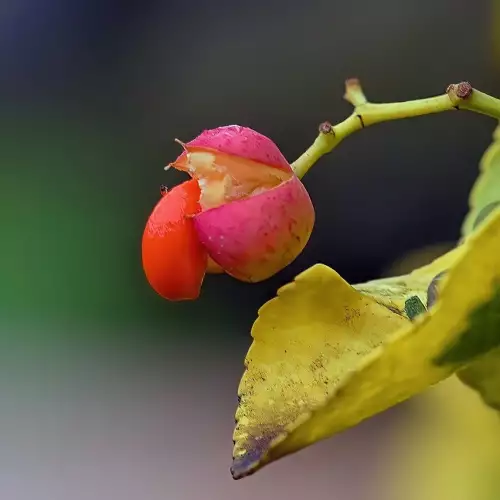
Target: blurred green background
(108, 391)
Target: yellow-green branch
(457, 96)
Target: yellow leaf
(304, 341)
(484, 202)
(483, 375)
(484, 197)
(282, 407)
(394, 292)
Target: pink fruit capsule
(255, 215)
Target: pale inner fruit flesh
(224, 178)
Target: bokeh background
(108, 391)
